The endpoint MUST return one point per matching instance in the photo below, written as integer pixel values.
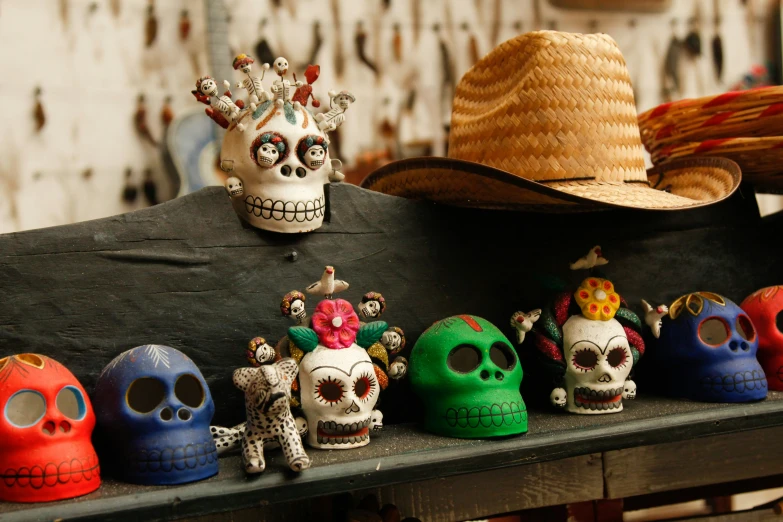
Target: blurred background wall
(74, 134)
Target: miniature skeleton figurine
(372, 306)
(259, 352)
(393, 340)
(267, 403)
(253, 85)
(234, 187)
(206, 86)
(281, 89)
(558, 397)
(272, 149)
(293, 306)
(654, 317)
(329, 121)
(398, 368)
(593, 259)
(523, 323)
(312, 151)
(328, 285)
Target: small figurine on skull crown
(305, 92)
(252, 84)
(328, 285)
(293, 306)
(281, 89)
(523, 323)
(336, 116)
(372, 306)
(207, 89)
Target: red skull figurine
(45, 429)
(763, 308)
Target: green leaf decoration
(261, 109)
(290, 115)
(304, 338)
(370, 333)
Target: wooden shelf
(405, 454)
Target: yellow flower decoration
(597, 299)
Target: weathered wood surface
(692, 463)
(190, 274)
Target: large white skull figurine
(339, 391)
(598, 360)
(281, 191)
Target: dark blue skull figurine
(153, 409)
(707, 351)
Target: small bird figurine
(592, 259)
(523, 323)
(653, 317)
(328, 285)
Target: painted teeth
(507, 413)
(740, 382)
(290, 211)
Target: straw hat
(547, 121)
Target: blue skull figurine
(153, 409)
(707, 351)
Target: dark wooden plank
(693, 463)
(190, 274)
(404, 454)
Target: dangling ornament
(140, 121)
(150, 189)
(166, 112)
(151, 26)
(129, 192)
(38, 111)
(184, 25)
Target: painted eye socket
(70, 402)
(285, 170)
(585, 359)
(364, 386)
(617, 357)
(502, 356)
(464, 358)
(300, 172)
(329, 391)
(189, 391)
(714, 331)
(745, 328)
(25, 408)
(145, 394)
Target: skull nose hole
(484, 374)
(184, 414)
(745, 346)
(48, 428)
(65, 426)
(733, 345)
(499, 376)
(166, 414)
(301, 172)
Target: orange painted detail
(471, 322)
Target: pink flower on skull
(336, 323)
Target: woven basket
(759, 158)
(757, 112)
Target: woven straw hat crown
(550, 106)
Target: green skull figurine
(464, 370)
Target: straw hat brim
(676, 185)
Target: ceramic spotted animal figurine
(267, 403)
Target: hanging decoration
(38, 112)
